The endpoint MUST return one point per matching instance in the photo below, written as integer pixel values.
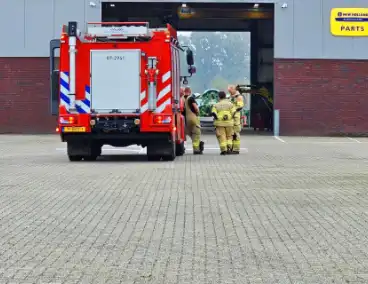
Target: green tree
(219, 83)
(220, 58)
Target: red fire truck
(119, 85)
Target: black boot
(201, 146)
(224, 153)
(197, 152)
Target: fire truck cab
(119, 85)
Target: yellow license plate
(74, 129)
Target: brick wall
(322, 97)
(24, 96)
(315, 97)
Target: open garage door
(256, 19)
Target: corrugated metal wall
(27, 26)
(302, 30)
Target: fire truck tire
(90, 158)
(166, 151)
(180, 149)
(95, 152)
(73, 158)
(153, 153)
(172, 152)
(153, 158)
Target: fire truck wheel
(170, 151)
(153, 153)
(96, 150)
(75, 158)
(180, 149)
(166, 151)
(153, 157)
(90, 158)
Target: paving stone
(293, 212)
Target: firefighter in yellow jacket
(192, 123)
(237, 100)
(222, 113)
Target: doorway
(255, 19)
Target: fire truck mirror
(190, 57)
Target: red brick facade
(25, 96)
(322, 97)
(315, 97)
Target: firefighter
(237, 100)
(192, 123)
(182, 91)
(182, 99)
(222, 113)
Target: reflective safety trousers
(238, 103)
(192, 126)
(224, 136)
(236, 137)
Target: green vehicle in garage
(206, 101)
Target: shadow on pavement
(132, 158)
(245, 131)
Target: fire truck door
(115, 80)
(54, 73)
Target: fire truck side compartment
(115, 80)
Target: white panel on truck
(115, 80)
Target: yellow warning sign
(349, 21)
